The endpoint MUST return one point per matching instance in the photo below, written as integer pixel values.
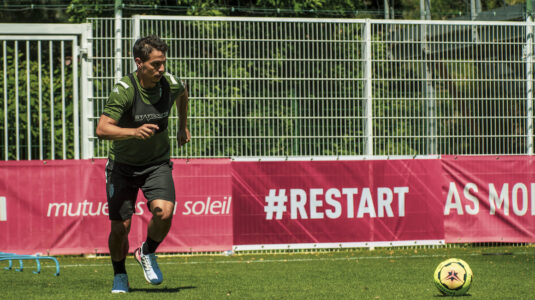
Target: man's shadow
(163, 290)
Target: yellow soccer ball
(453, 277)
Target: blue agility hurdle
(10, 257)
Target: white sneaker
(152, 272)
(120, 284)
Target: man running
(135, 118)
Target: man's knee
(162, 210)
(120, 228)
(162, 215)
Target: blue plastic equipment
(20, 257)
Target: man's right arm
(108, 126)
(107, 129)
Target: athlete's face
(153, 68)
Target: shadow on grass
(443, 296)
(163, 290)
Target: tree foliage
(76, 11)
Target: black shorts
(124, 181)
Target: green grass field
(499, 273)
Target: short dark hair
(144, 46)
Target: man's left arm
(183, 136)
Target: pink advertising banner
(292, 202)
(489, 198)
(59, 207)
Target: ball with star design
(453, 277)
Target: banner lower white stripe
(3, 209)
(337, 245)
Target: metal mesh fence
(445, 88)
(265, 88)
(104, 68)
(302, 87)
(311, 87)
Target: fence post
(428, 93)
(86, 86)
(136, 34)
(529, 85)
(368, 95)
(118, 40)
(6, 139)
(76, 99)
